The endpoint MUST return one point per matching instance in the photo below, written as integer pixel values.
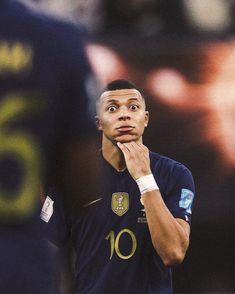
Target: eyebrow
(115, 100)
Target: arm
(170, 236)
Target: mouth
(124, 129)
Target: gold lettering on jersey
(23, 148)
(114, 243)
(134, 243)
(120, 203)
(15, 57)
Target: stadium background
(182, 53)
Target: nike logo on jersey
(92, 202)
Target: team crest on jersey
(186, 199)
(120, 203)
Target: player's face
(122, 116)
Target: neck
(113, 155)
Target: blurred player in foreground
(43, 72)
(128, 237)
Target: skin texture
(122, 118)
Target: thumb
(119, 145)
(122, 148)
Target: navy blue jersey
(43, 102)
(114, 251)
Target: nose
(124, 114)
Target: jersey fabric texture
(43, 102)
(114, 251)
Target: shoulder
(60, 41)
(170, 174)
(39, 21)
(166, 164)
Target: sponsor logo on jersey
(186, 200)
(120, 203)
(92, 202)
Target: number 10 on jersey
(114, 243)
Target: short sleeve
(180, 197)
(54, 225)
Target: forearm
(170, 237)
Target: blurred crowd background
(182, 54)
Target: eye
(112, 108)
(134, 107)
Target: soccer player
(128, 238)
(43, 110)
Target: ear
(98, 123)
(146, 118)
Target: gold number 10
(114, 243)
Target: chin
(127, 139)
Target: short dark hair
(120, 84)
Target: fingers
(136, 157)
(133, 148)
(125, 150)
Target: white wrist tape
(147, 184)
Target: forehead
(120, 95)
